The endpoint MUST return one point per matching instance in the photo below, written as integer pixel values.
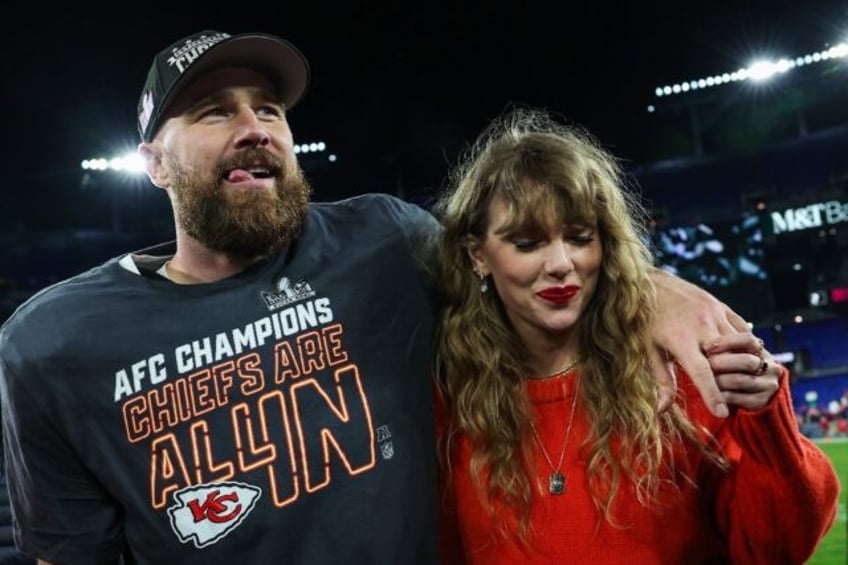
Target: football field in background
(834, 548)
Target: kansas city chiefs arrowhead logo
(204, 514)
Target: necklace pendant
(556, 483)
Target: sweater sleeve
(780, 496)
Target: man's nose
(251, 130)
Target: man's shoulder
(61, 299)
(373, 222)
(368, 201)
(374, 209)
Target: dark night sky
(397, 88)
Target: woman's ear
(152, 155)
(474, 248)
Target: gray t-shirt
(282, 415)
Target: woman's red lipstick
(558, 294)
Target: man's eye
(270, 110)
(213, 111)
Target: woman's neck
(552, 358)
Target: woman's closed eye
(584, 238)
(525, 244)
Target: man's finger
(738, 342)
(664, 378)
(736, 321)
(698, 368)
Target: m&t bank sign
(818, 215)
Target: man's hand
(688, 321)
(745, 371)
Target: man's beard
(248, 223)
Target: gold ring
(762, 368)
(760, 346)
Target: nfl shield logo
(387, 449)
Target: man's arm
(687, 322)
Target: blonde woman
(552, 445)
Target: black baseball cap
(178, 64)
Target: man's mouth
(250, 173)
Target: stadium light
(757, 71)
(130, 162)
(763, 70)
(133, 164)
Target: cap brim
(278, 60)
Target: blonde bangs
(544, 184)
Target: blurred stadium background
(744, 172)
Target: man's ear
(152, 155)
(474, 247)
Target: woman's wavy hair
(545, 171)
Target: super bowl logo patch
(205, 514)
(287, 293)
(384, 440)
(387, 450)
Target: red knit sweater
(773, 506)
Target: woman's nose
(558, 261)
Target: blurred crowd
(827, 421)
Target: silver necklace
(556, 480)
